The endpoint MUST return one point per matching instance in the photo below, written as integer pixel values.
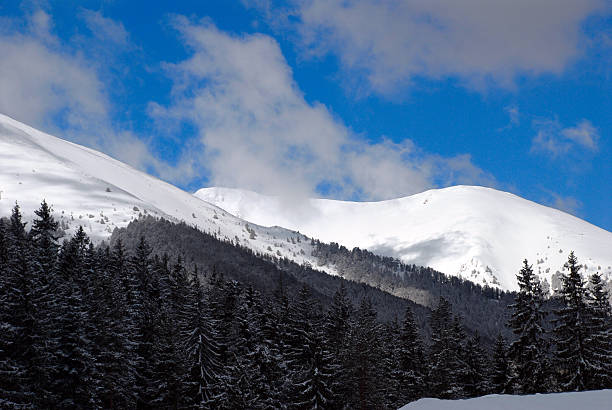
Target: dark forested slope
(389, 284)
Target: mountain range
(479, 234)
(476, 233)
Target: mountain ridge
(88, 188)
(477, 233)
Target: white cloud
(553, 139)
(584, 134)
(59, 87)
(39, 81)
(392, 42)
(105, 28)
(258, 132)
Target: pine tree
(73, 354)
(111, 333)
(528, 352)
(17, 378)
(447, 368)
(246, 376)
(309, 360)
(274, 334)
(477, 375)
(500, 372)
(337, 334)
(574, 355)
(46, 284)
(600, 331)
(410, 367)
(365, 359)
(136, 312)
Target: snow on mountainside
(587, 400)
(88, 188)
(477, 233)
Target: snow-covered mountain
(480, 234)
(477, 233)
(88, 188)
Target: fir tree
(410, 367)
(574, 355)
(477, 373)
(528, 352)
(74, 355)
(337, 333)
(447, 367)
(500, 379)
(600, 331)
(17, 378)
(309, 360)
(246, 377)
(365, 359)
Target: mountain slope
(88, 188)
(477, 233)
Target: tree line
(103, 327)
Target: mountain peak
(478, 233)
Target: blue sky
(356, 99)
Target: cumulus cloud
(392, 42)
(257, 131)
(39, 80)
(61, 87)
(555, 140)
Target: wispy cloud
(567, 204)
(62, 87)
(514, 115)
(257, 131)
(391, 43)
(555, 140)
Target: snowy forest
(84, 326)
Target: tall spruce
(500, 370)
(575, 356)
(72, 380)
(528, 352)
(447, 368)
(338, 322)
(410, 366)
(17, 333)
(477, 378)
(600, 331)
(200, 341)
(365, 359)
(309, 361)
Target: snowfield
(477, 233)
(87, 188)
(588, 400)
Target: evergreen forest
(147, 323)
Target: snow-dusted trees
(500, 369)
(575, 356)
(600, 333)
(477, 374)
(410, 366)
(528, 352)
(309, 361)
(366, 378)
(447, 366)
(127, 327)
